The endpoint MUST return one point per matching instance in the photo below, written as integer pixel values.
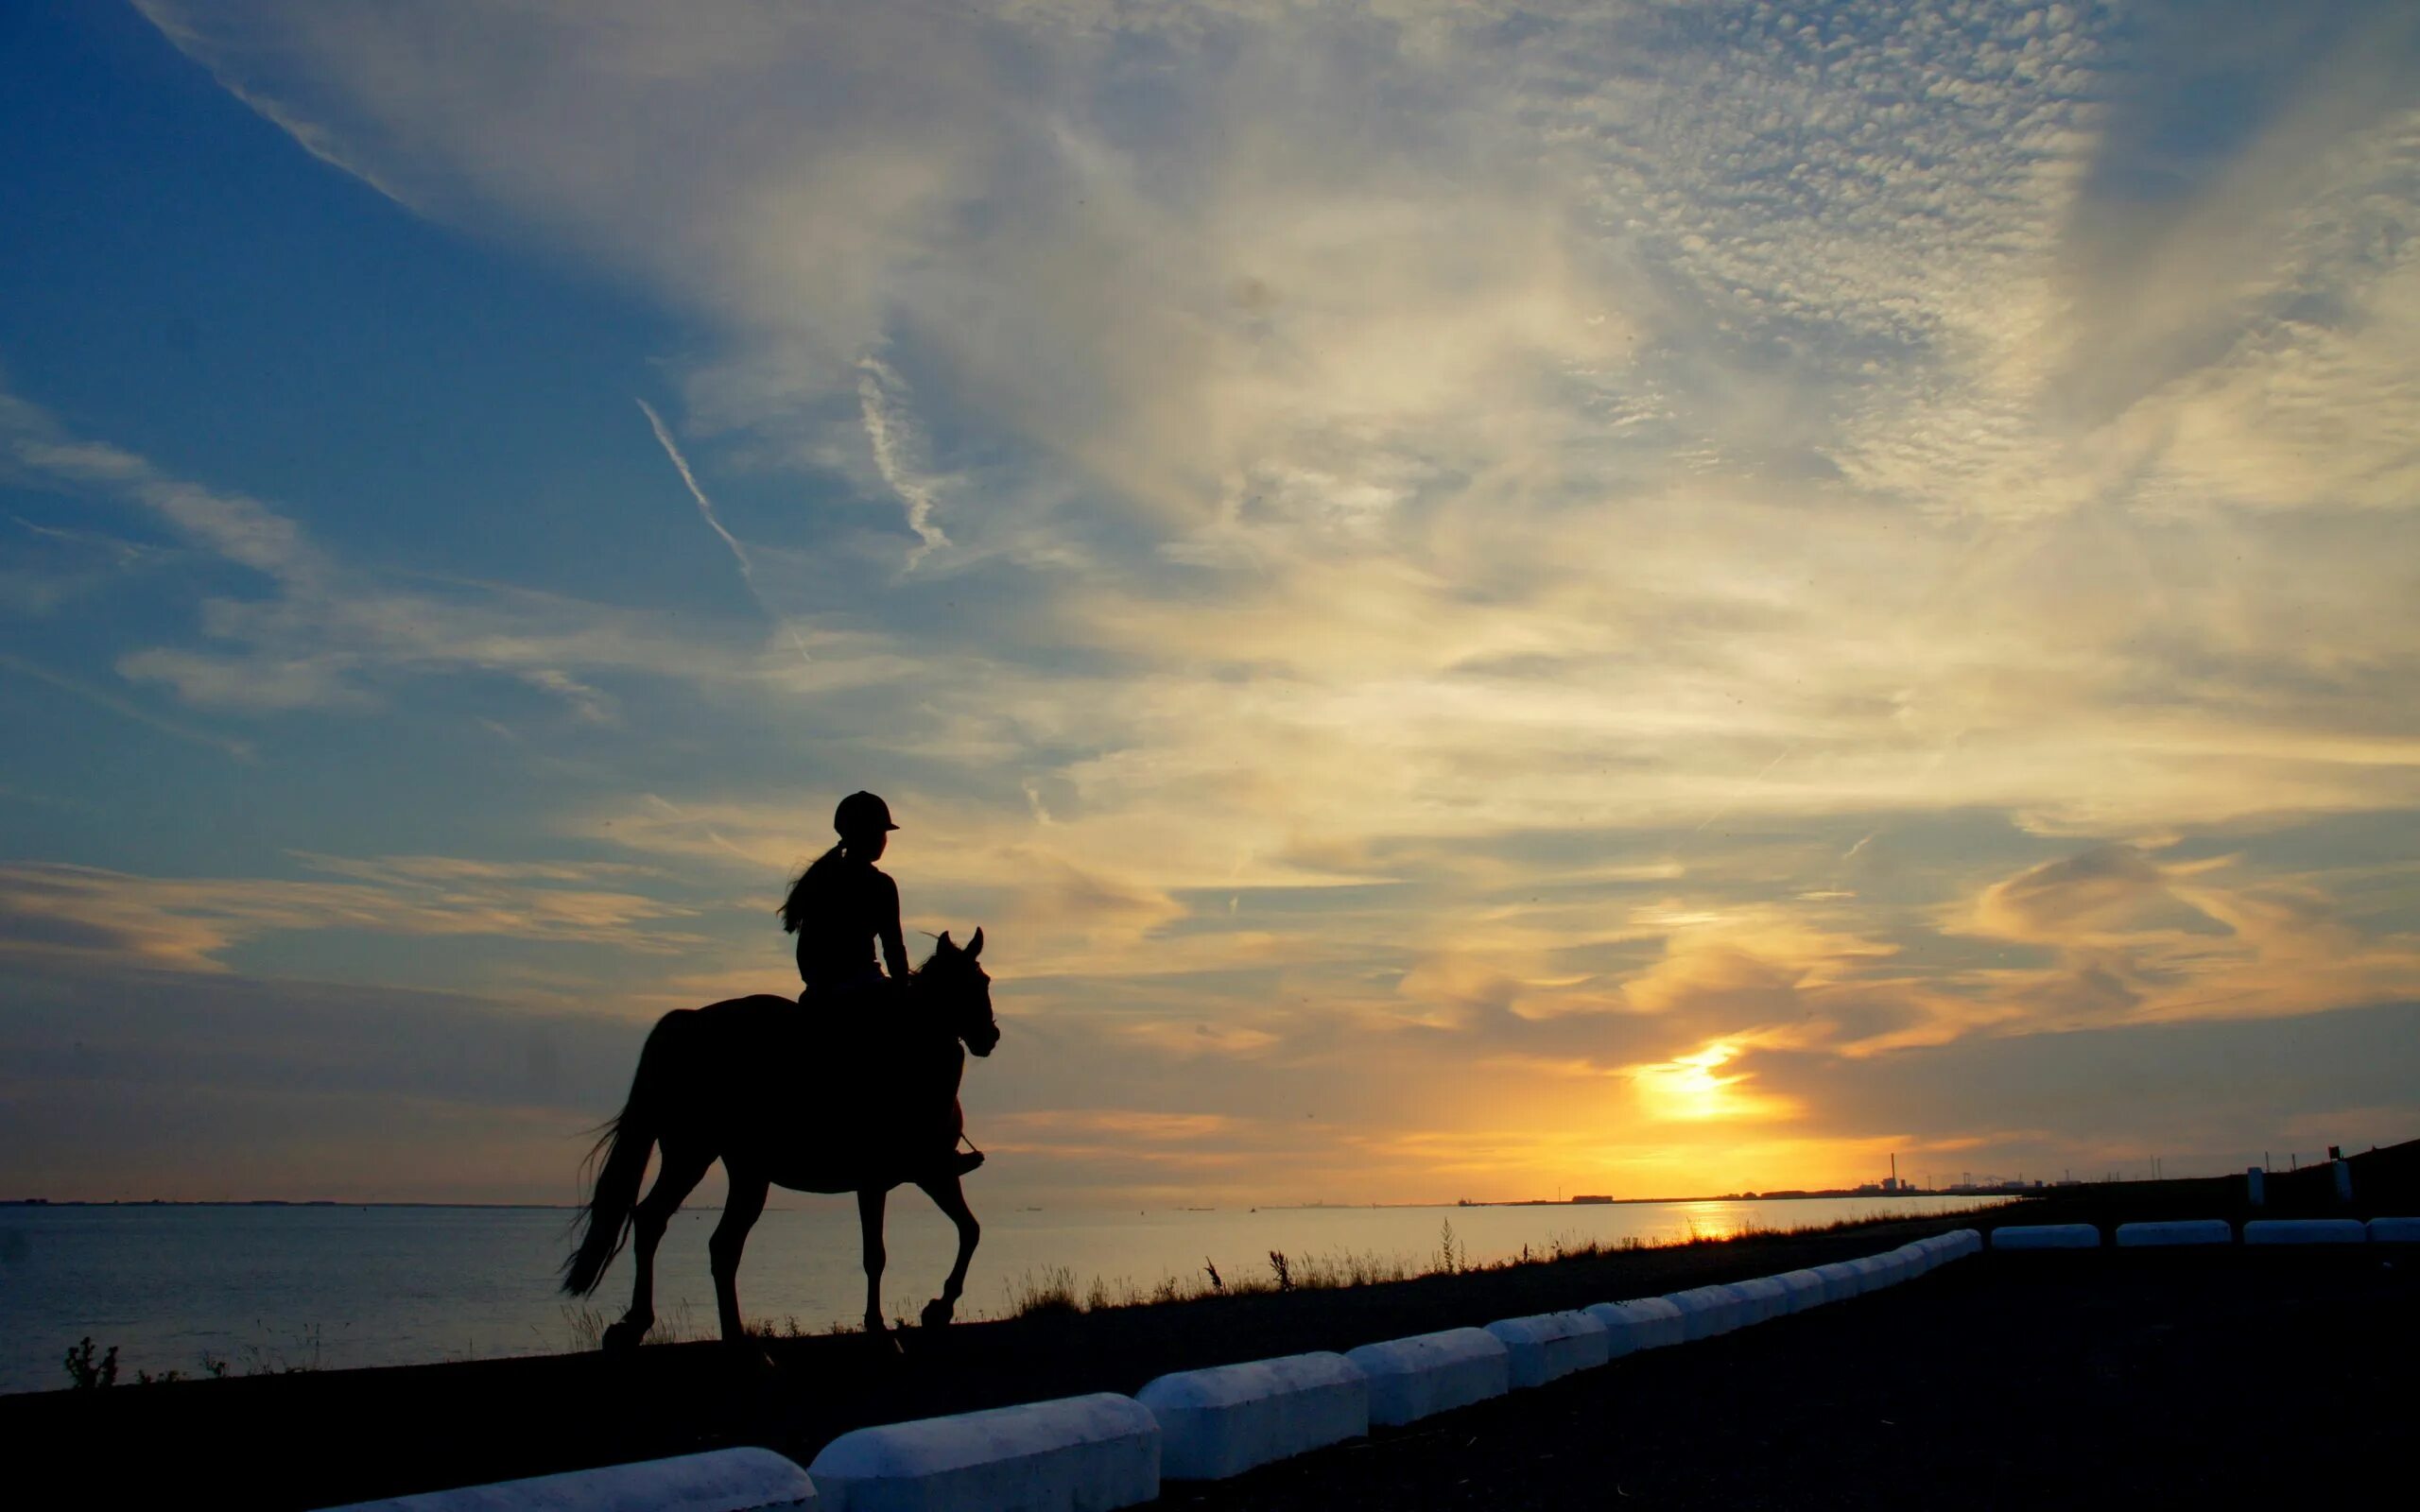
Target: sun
(1686, 1088)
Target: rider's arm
(894, 944)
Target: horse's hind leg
(675, 1178)
(740, 1210)
(951, 1198)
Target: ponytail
(802, 895)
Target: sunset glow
(1481, 598)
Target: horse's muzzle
(985, 1043)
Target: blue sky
(1478, 596)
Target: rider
(840, 907)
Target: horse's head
(961, 992)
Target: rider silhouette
(839, 907)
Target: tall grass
(1053, 1292)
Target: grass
(586, 1326)
(85, 1373)
(1053, 1291)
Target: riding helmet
(861, 813)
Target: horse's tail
(619, 1158)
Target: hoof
(938, 1314)
(623, 1337)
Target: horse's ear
(975, 945)
(947, 948)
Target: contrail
(1737, 797)
(706, 508)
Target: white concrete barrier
(1074, 1454)
(1768, 1298)
(1410, 1379)
(1551, 1345)
(2170, 1234)
(2306, 1232)
(1970, 1241)
(2394, 1230)
(2046, 1236)
(727, 1480)
(1225, 1421)
(1706, 1311)
(1840, 1281)
(1806, 1289)
(1641, 1323)
(1869, 1273)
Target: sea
(256, 1289)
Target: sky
(1482, 598)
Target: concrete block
(2046, 1236)
(1706, 1311)
(2306, 1232)
(1768, 1298)
(1074, 1454)
(1222, 1421)
(1641, 1323)
(2394, 1230)
(1551, 1345)
(1806, 1289)
(727, 1480)
(1410, 1379)
(2169, 1235)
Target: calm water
(372, 1286)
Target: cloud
(891, 432)
(1459, 519)
(329, 635)
(188, 923)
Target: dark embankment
(331, 1436)
(2385, 1181)
(2231, 1378)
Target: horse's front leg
(740, 1210)
(951, 1198)
(870, 1203)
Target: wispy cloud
(891, 430)
(101, 697)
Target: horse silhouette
(724, 1082)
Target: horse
(721, 1083)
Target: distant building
(1592, 1199)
